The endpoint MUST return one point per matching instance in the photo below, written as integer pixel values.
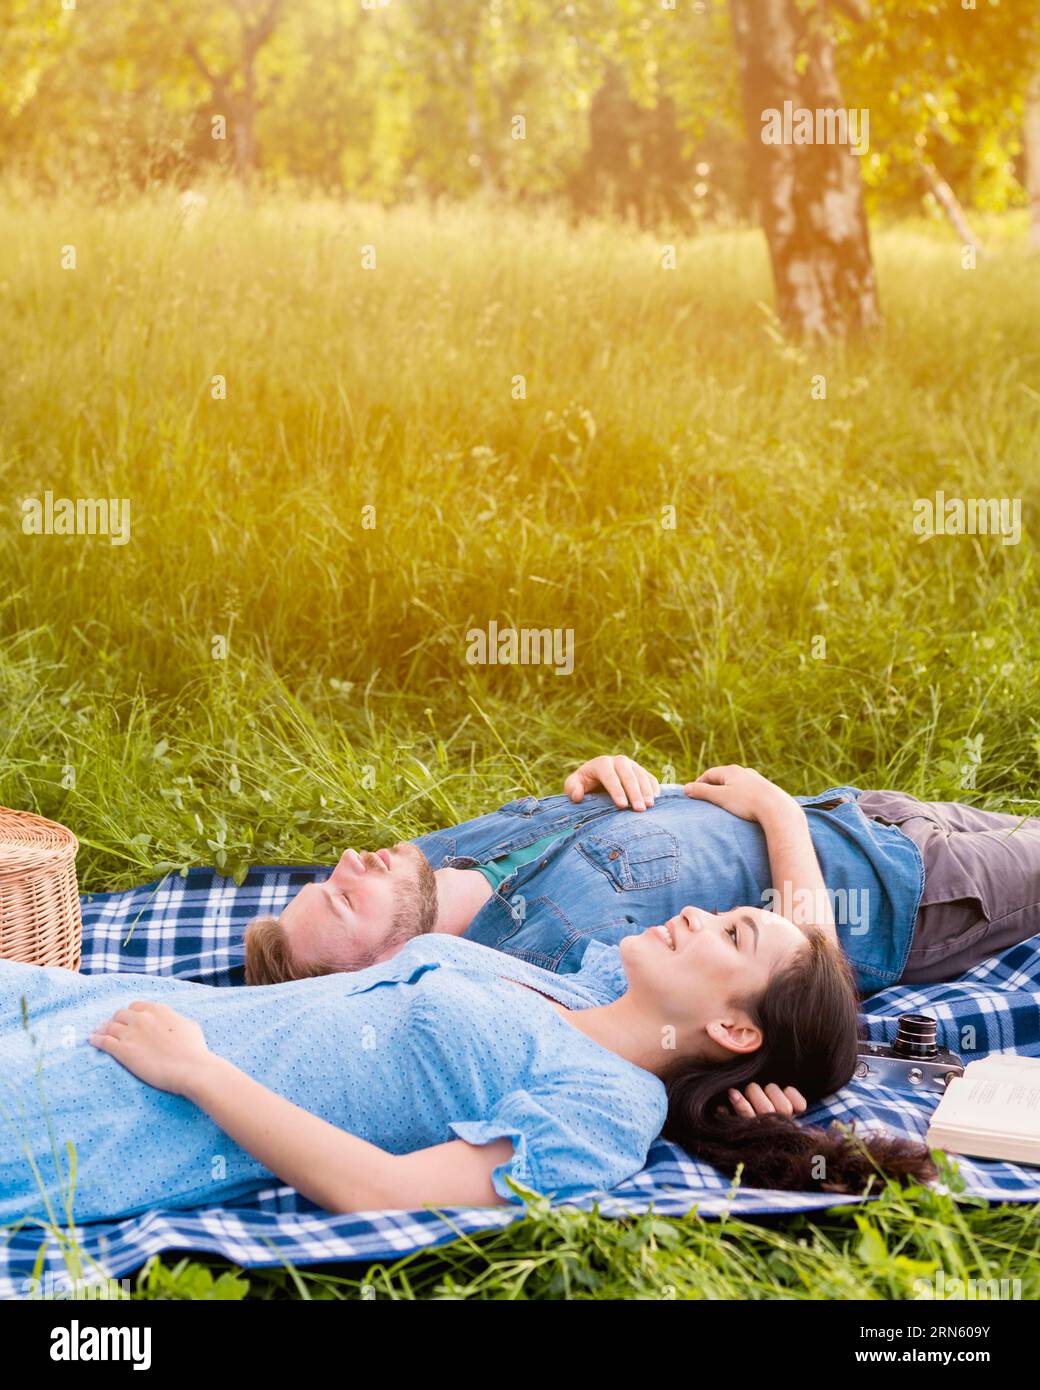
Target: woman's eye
(731, 932)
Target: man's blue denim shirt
(614, 872)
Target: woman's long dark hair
(808, 1016)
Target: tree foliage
(627, 103)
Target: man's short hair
(269, 960)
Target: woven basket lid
(29, 843)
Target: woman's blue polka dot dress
(430, 1045)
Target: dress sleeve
(565, 1146)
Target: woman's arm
(795, 869)
(803, 897)
(338, 1171)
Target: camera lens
(916, 1036)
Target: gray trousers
(981, 881)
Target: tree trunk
(949, 202)
(244, 132)
(810, 196)
(474, 124)
(239, 99)
(1031, 141)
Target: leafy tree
(945, 87)
(626, 103)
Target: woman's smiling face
(695, 971)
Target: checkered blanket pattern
(192, 927)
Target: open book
(992, 1111)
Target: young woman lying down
(433, 1076)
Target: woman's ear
(735, 1033)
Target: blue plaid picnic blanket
(193, 926)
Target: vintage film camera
(913, 1062)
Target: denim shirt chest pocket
(647, 858)
(530, 818)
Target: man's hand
(739, 790)
(753, 1100)
(625, 781)
(154, 1042)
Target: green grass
(892, 1250)
(345, 711)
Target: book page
(991, 1100)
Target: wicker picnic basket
(39, 899)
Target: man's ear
(736, 1033)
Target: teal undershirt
(496, 870)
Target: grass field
(268, 671)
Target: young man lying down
(911, 891)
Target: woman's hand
(753, 1100)
(741, 791)
(155, 1043)
(626, 782)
